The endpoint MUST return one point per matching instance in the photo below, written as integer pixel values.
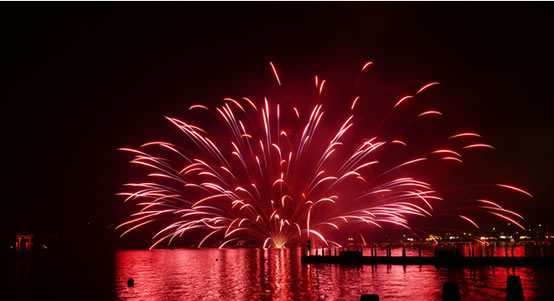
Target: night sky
(82, 79)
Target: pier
(441, 258)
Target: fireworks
(273, 178)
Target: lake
(257, 274)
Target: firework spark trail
(262, 185)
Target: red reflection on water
(480, 250)
(247, 274)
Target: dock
(442, 258)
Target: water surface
(257, 274)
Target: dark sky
(82, 79)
